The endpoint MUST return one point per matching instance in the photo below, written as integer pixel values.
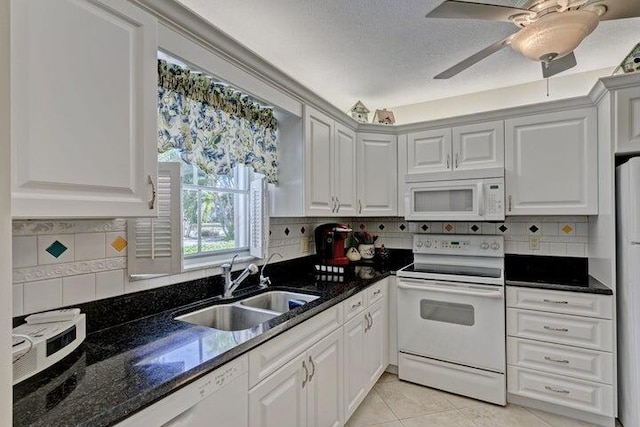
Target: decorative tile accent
(402, 227)
(424, 227)
(449, 228)
(503, 228)
(474, 228)
(31, 274)
(302, 230)
(287, 231)
(111, 237)
(119, 243)
(381, 227)
(362, 226)
(568, 229)
(533, 228)
(56, 249)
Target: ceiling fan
(549, 29)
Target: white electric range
(451, 316)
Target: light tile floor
(395, 403)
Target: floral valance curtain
(212, 125)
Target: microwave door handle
(452, 290)
(481, 199)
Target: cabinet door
(281, 399)
(429, 151)
(627, 120)
(377, 175)
(551, 164)
(319, 158)
(83, 101)
(325, 390)
(354, 368)
(478, 146)
(376, 343)
(345, 171)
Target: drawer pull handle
(313, 368)
(550, 301)
(377, 292)
(549, 328)
(556, 390)
(551, 359)
(353, 306)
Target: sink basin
(278, 301)
(227, 317)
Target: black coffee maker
(330, 243)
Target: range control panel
(447, 244)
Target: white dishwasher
(219, 398)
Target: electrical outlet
(534, 243)
(304, 244)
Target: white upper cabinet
(330, 177)
(627, 120)
(429, 151)
(551, 164)
(478, 146)
(377, 169)
(453, 152)
(83, 109)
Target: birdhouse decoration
(631, 62)
(360, 112)
(384, 117)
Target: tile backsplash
(59, 263)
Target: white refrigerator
(628, 291)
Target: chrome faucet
(264, 281)
(232, 285)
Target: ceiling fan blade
(463, 65)
(621, 10)
(468, 10)
(559, 65)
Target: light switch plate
(534, 243)
(304, 244)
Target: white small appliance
(628, 290)
(479, 199)
(451, 316)
(37, 346)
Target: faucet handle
(228, 266)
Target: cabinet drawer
(585, 332)
(273, 354)
(354, 305)
(561, 302)
(377, 291)
(562, 360)
(577, 394)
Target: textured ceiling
(385, 52)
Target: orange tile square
(119, 244)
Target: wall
(560, 87)
(89, 260)
(5, 221)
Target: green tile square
(56, 249)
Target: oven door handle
(498, 294)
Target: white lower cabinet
(304, 392)
(559, 358)
(366, 338)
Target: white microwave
(459, 200)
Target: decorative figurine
(360, 112)
(384, 117)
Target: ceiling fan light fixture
(555, 35)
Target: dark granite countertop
(592, 286)
(121, 369)
(557, 273)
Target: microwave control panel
(494, 201)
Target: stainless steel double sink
(247, 313)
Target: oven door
(453, 322)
